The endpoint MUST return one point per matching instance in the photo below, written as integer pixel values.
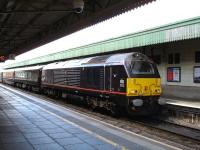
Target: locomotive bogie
(149, 105)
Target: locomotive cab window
(140, 68)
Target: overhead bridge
(184, 30)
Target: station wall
(179, 63)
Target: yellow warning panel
(143, 86)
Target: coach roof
(29, 68)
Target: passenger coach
(28, 78)
(8, 76)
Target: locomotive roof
(66, 64)
(114, 59)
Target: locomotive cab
(143, 83)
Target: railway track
(150, 127)
(182, 116)
(170, 127)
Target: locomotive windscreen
(141, 68)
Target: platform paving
(31, 122)
(25, 127)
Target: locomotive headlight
(134, 91)
(137, 102)
(158, 91)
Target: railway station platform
(28, 122)
(183, 103)
(183, 112)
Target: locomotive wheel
(114, 111)
(90, 103)
(92, 107)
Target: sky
(155, 14)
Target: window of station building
(177, 58)
(170, 59)
(197, 57)
(174, 58)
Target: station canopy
(152, 28)
(182, 30)
(27, 24)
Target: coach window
(28, 75)
(197, 57)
